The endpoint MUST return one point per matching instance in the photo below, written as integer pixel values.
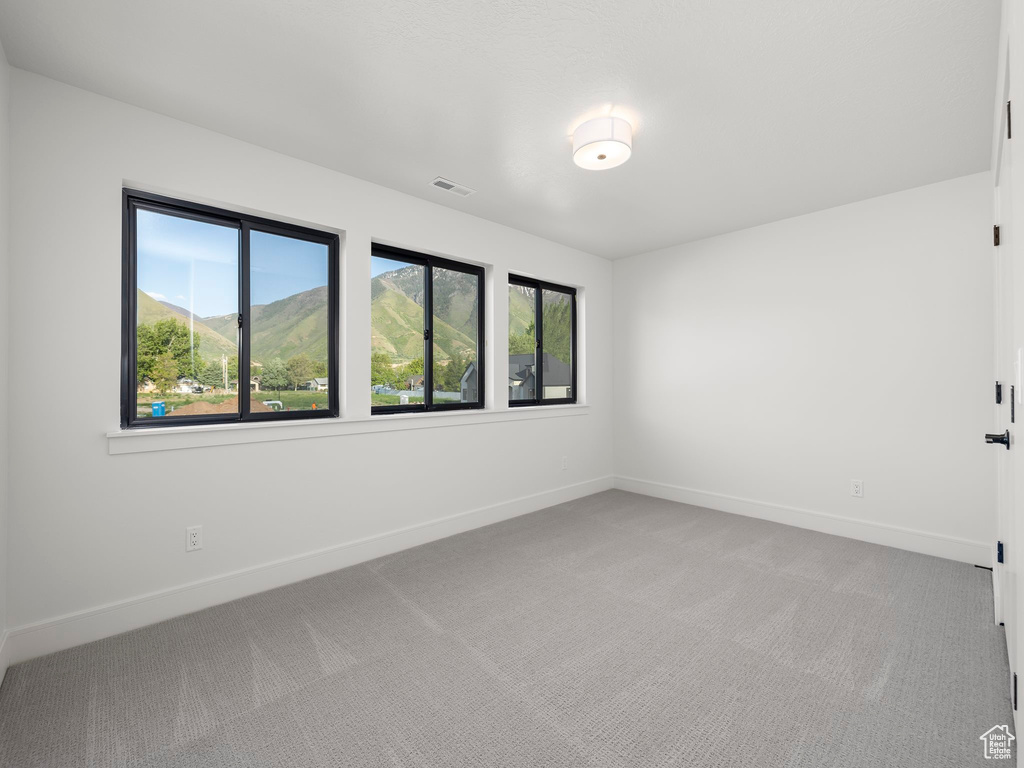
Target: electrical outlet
(193, 538)
(565, 463)
(857, 488)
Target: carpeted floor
(616, 630)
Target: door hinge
(999, 393)
(995, 235)
(1013, 404)
(1009, 121)
(999, 552)
(1014, 691)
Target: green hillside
(287, 327)
(211, 343)
(396, 323)
(222, 324)
(521, 309)
(298, 324)
(290, 326)
(396, 314)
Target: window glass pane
(456, 304)
(522, 342)
(289, 328)
(557, 341)
(397, 290)
(187, 283)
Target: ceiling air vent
(451, 186)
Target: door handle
(1003, 439)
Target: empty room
(501, 384)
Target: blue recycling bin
(159, 408)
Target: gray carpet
(616, 630)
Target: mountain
(180, 310)
(521, 308)
(211, 343)
(290, 326)
(298, 324)
(396, 314)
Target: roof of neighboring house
(556, 372)
(320, 382)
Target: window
(225, 317)
(541, 343)
(426, 321)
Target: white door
(1009, 359)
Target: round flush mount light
(601, 143)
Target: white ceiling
(745, 111)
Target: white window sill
(207, 435)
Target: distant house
(321, 384)
(468, 384)
(522, 377)
(414, 382)
(254, 384)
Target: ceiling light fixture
(603, 142)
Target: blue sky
(379, 266)
(194, 264)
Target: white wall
(760, 371)
(89, 529)
(4, 207)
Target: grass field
(376, 399)
(292, 401)
(296, 401)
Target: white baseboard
(31, 640)
(974, 552)
(5, 653)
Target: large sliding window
(541, 343)
(225, 317)
(426, 318)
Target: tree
(171, 337)
(412, 368)
(523, 343)
(212, 374)
(382, 371)
(300, 370)
(448, 378)
(275, 376)
(558, 327)
(319, 369)
(165, 372)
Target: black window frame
(539, 287)
(134, 200)
(428, 262)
